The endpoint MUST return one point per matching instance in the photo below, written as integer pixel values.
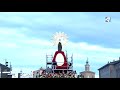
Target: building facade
(110, 70)
(87, 73)
(117, 68)
(5, 71)
(37, 73)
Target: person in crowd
(69, 74)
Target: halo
(59, 37)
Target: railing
(68, 67)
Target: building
(37, 73)
(25, 75)
(87, 73)
(110, 70)
(5, 71)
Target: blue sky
(25, 38)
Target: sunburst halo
(60, 37)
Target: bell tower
(87, 66)
(87, 73)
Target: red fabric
(64, 66)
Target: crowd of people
(49, 73)
(69, 74)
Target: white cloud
(8, 45)
(12, 32)
(14, 19)
(7, 31)
(88, 47)
(36, 42)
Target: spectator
(69, 74)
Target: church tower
(87, 66)
(87, 73)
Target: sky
(25, 38)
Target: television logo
(107, 19)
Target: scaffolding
(69, 62)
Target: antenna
(21, 71)
(6, 63)
(87, 60)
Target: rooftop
(87, 72)
(5, 67)
(110, 63)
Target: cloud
(89, 47)
(6, 33)
(8, 45)
(79, 26)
